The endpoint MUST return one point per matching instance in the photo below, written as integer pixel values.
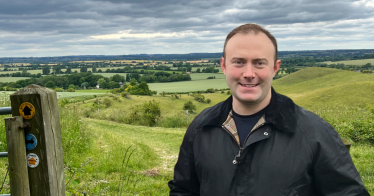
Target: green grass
(353, 62)
(149, 167)
(327, 86)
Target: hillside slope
(324, 86)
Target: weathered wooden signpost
(39, 109)
(19, 178)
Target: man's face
(249, 68)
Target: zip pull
(235, 161)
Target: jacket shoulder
(207, 114)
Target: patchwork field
(353, 62)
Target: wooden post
(18, 176)
(47, 178)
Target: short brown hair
(248, 28)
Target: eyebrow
(260, 59)
(237, 58)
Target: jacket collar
(280, 114)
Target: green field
(12, 79)
(185, 86)
(204, 76)
(353, 62)
(77, 94)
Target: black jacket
(294, 153)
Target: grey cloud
(69, 24)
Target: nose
(248, 71)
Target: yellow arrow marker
(27, 110)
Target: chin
(247, 99)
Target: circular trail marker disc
(31, 141)
(32, 160)
(27, 110)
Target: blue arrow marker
(31, 141)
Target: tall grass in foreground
(4, 102)
(353, 123)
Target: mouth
(248, 85)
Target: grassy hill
(325, 86)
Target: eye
(260, 63)
(238, 62)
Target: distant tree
(24, 72)
(56, 69)
(85, 85)
(68, 70)
(71, 86)
(133, 82)
(94, 70)
(46, 70)
(189, 106)
(135, 75)
(50, 84)
(101, 81)
(117, 78)
(104, 85)
(128, 78)
(113, 84)
(83, 69)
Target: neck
(250, 108)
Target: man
(258, 142)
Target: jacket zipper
(235, 161)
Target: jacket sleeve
(185, 180)
(333, 169)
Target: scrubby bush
(146, 114)
(199, 97)
(189, 106)
(163, 93)
(228, 92)
(175, 96)
(175, 121)
(126, 95)
(141, 89)
(71, 90)
(59, 89)
(71, 86)
(107, 102)
(208, 101)
(63, 101)
(210, 90)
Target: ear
(276, 67)
(223, 66)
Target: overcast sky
(113, 27)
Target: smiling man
(258, 142)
